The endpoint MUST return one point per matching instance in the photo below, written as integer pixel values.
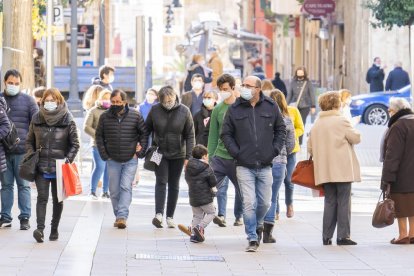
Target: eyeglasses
(248, 86)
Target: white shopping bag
(59, 180)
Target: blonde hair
(345, 94)
(90, 96)
(280, 99)
(267, 85)
(103, 93)
(329, 100)
(196, 58)
(211, 93)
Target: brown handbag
(384, 213)
(304, 175)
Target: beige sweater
(331, 144)
(91, 121)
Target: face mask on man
(111, 79)
(116, 109)
(246, 93)
(12, 90)
(198, 85)
(50, 106)
(224, 95)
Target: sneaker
(157, 220)
(5, 223)
(199, 233)
(116, 223)
(122, 223)
(252, 247)
(220, 221)
(170, 222)
(194, 239)
(38, 235)
(24, 224)
(54, 235)
(105, 195)
(238, 222)
(93, 196)
(185, 229)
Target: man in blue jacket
(254, 133)
(22, 108)
(375, 76)
(397, 78)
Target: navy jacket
(22, 108)
(253, 136)
(397, 79)
(4, 130)
(200, 179)
(375, 78)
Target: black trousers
(304, 112)
(168, 172)
(42, 185)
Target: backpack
(12, 139)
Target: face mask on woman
(50, 106)
(208, 102)
(106, 104)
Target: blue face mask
(50, 106)
(12, 90)
(208, 102)
(246, 93)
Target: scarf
(55, 116)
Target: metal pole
(140, 59)
(148, 68)
(74, 104)
(49, 43)
(101, 58)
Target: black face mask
(115, 109)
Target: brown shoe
(185, 229)
(289, 212)
(122, 223)
(116, 223)
(405, 240)
(412, 240)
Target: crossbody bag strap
(301, 92)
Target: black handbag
(148, 163)
(384, 213)
(28, 166)
(12, 139)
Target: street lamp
(170, 18)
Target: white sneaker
(94, 196)
(157, 220)
(170, 222)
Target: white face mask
(246, 93)
(12, 90)
(224, 95)
(50, 106)
(198, 85)
(111, 79)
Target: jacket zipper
(255, 133)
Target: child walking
(201, 183)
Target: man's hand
(313, 110)
(185, 163)
(138, 148)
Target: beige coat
(91, 121)
(331, 144)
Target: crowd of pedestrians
(246, 134)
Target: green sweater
(215, 144)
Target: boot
(267, 233)
(54, 234)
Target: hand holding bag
(71, 179)
(384, 213)
(304, 175)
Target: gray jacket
(91, 121)
(308, 95)
(289, 142)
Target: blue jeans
(121, 176)
(99, 168)
(256, 191)
(7, 189)
(291, 162)
(278, 173)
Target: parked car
(373, 107)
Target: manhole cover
(143, 256)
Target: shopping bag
(71, 179)
(59, 180)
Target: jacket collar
(329, 113)
(398, 115)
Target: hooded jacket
(200, 179)
(5, 128)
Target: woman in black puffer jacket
(4, 130)
(53, 132)
(173, 130)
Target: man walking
(106, 77)
(254, 133)
(375, 76)
(220, 160)
(397, 78)
(194, 99)
(22, 108)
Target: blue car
(373, 107)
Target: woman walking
(331, 145)
(202, 118)
(172, 126)
(53, 133)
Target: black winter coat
(60, 141)
(201, 127)
(253, 136)
(117, 137)
(200, 179)
(4, 130)
(173, 130)
(195, 69)
(397, 79)
(22, 108)
(375, 78)
(278, 83)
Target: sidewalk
(90, 245)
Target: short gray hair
(398, 104)
(166, 91)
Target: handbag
(296, 104)
(12, 138)
(28, 166)
(384, 213)
(71, 179)
(152, 158)
(304, 175)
